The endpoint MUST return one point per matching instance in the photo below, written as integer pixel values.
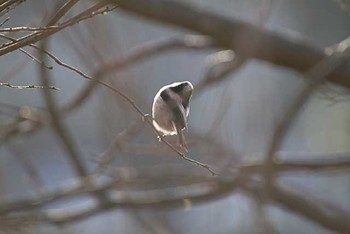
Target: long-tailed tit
(170, 109)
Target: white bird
(170, 109)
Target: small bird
(170, 109)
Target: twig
(30, 29)
(27, 53)
(182, 155)
(8, 5)
(4, 22)
(37, 36)
(61, 12)
(27, 86)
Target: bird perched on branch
(170, 109)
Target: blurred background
(231, 122)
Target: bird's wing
(180, 117)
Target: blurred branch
(27, 53)
(28, 166)
(223, 63)
(344, 5)
(210, 189)
(4, 22)
(59, 127)
(316, 76)
(330, 162)
(237, 35)
(219, 66)
(326, 215)
(121, 141)
(152, 222)
(310, 207)
(7, 5)
(61, 12)
(157, 198)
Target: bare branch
(30, 29)
(32, 38)
(62, 11)
(6, 6)
(4, 22)
(27, 53)
(27, 86)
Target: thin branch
(182, 155)
(4, 22)
(9, 5)
(32, 38)
(35, 59)
(30, 29)
(27, 53)
(27, 86)
(62, 11)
